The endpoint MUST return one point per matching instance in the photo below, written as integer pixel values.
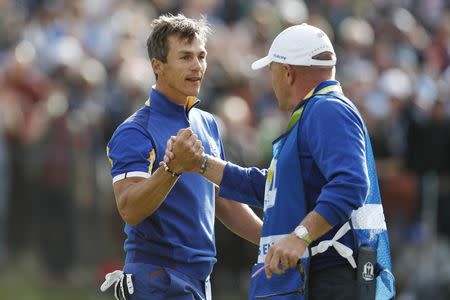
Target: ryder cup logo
(213, 146)
(367, 273)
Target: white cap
(297, 45)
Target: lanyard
(296, 115)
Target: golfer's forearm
(137, 200)
(240, 219)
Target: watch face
(301, 231)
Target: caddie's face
(279, 85)
(183, 72)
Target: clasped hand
(184, 152)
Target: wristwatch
(302, 233)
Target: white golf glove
(123, 284)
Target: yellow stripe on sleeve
(151, 160)
(107, 154)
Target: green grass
(24, 281)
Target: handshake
(184, 153)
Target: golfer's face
(186, 64)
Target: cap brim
(261, 63)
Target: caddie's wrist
(302, 233)
(294, 236)
(203, 164)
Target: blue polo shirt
(180, 233)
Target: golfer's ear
(157, 66)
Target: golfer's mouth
(194, 79)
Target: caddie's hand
(284, 255)
(187, 152)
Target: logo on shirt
(270, 193)
(213, 146)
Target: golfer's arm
(240, 219)
(137, 197)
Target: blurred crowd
(71, 71)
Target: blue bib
(285, 207)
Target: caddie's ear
(290, 73)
